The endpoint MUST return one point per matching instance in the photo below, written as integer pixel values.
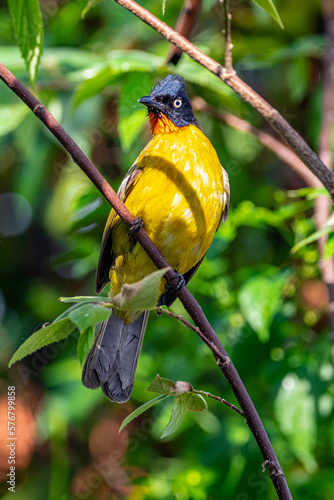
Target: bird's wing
(106, 257)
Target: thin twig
(267, 139)
(190, 304)
(185, 24)
(179, 317)
(228, 37)
(273, 117)
(221, 400)
(322, 204)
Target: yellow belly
(180, 198)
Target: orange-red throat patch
(160, 124)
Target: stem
(273, 117)
(214, 349)
(221, 400)
(228, 38)
(190, 304)
(185, 24)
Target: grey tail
(112, 361)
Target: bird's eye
(177, 103)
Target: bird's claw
(136, 226)
(181, 282)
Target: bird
(179, 192)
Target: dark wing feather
(106, 256)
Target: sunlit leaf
(296, 415)
(327, 228)
(90, 5)
(85, 342)
(162, 385)
(260, 298)
(141, 410)
(44, 336)
(96, 84)
(142, 295)
(86, 300)
(329, 248)
(132, 118)
(194, 402)
(270, 8)
(11, 117)
(28, 28)
(177, 417)
(135, 60)
(89, 315)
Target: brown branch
(191, 306)
(185, 24)
(273, 117)
(322, 204)
(268, 140)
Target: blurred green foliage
(267, 305)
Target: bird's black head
(169, 98)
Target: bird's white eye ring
(177, 103)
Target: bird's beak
(150, 103)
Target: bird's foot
(181, 282)
(138, 224)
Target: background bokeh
(267, 305)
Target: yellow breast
(180, 195)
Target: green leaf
(142, 295)
(141, 410)
(89, 315)
(130, 126)
(260, 298)
(90, 5)
(96, 84)
(11, 117)
(132, 119)
(295, 412)
(124, 61)
(28, 28)
(194, 402)
(329, 248)
(327, 228)
(270, 8)
(162, 385)
(87, 300)
(85, 342)
(44, 336)
(177, 417)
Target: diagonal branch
(273, 117)
(322, 203)
(190, 304)
(185, 24)
(267, 139)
